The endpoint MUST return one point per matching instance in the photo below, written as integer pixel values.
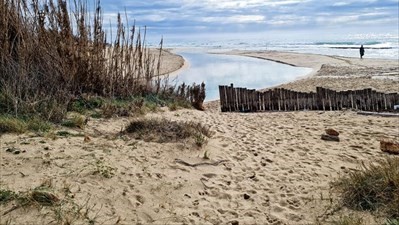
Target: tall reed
(51, 52)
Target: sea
(379, 45)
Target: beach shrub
(73, 121)
(392, 221)
(348, 220)
(84, 104)
(37, 124)
(373, 188)
(200, 139)
(122, 107)
(198, 96)
(173, 107)
(162, 131)
(12, 124)
(63, 133)
(6, 196)
(104, 170)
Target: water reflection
(242, 71)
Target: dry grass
(162, 131)
(374, 188)
(50, 55)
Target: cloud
(235, 19)
(190, 16)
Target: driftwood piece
(389, 146)
(216, 163)
(332, 132)
(328, 137)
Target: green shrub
(78, 121)
(348, 220)
(392, 221)
(173, 107)
(9, 124)
(373, 188)
(82, 104)
(6, 196)
(104, 170)
(39, 125)
(199, 139)
(63, 133)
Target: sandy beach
(335, 72)
(275, 170)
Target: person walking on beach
(361, 52)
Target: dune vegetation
(55, 57)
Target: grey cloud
(252, 15)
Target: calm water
(242, 71)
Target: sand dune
(275, 168)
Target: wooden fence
(249, 100)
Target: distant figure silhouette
(361, 52)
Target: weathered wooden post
(274, 99)
(269, 100)
(367, 96)
(278, 93)
(374, 102)
(251, 100)
(340, 99)
(320, 99)
(261, 101)
(238, 93)
(241, 97)
(245, 100)
(221, 98)
(232, 98)
(229, 102)
(292, 101)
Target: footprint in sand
(140, 200)
(240, 156)
(265, 201)
(274, 221)
(294, 203)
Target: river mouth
(242, 71)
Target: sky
(198, 17)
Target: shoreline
(335, 72)
(170, 62)
(186, 65)
(380, 70)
